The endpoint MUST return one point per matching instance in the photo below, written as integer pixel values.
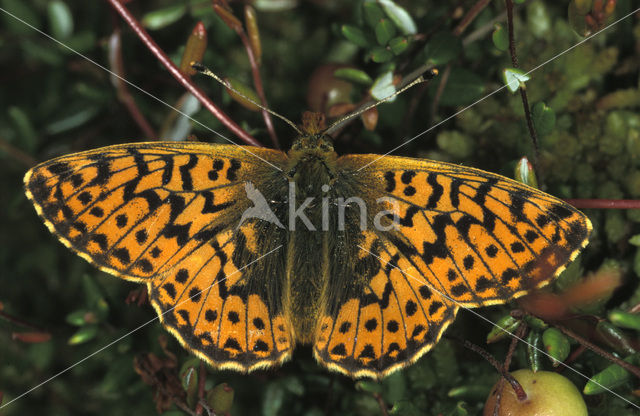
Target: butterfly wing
(462, 238)
(167, 214)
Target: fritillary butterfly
(241, 292)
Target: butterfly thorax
(312, 149)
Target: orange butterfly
(247, 251)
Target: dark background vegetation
(55, 102)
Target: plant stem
(604, 203)
(184, 80)
(523, 92)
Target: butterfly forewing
(167, 214)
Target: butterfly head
(313, 142)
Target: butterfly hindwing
(388, 322)
(167, 214)
(462, 237)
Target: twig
(202, 378)
(604, 203)
(180, 77)
(17, 154)
(117, 66)
(471, 14)
(629, 367)
(523, 92)
(495, 363)
(18, 321)
(381, 403)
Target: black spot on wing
(561, 211)
(390, 180)
(210, 207)
(233, 168)
(138, 159)
(103, 172)
(454, 192)
(167, 171)
(483, 190)
(59, 168)
(436, 191)
(122, 254)
(439, 247)
(407, 176)
(185, 173)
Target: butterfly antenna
(206, 71)
(432, 73)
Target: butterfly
(248, 251)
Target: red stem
(180, 77)
(473, 12)
(605, 203)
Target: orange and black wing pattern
(461, 237)
(168, 214)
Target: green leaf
(372, 13)
(398, 45)
(533, 350)
(502, 329)
(611, 377)
(442, 48)
(615, 337)
(625, 319)
(556, 344)
(514, 78)
(159, 19)
(535, 323)
(60, 19)
(500, 37)
(399, 16)
(383, 86)
(355, 35)
(381, 55)
(243, 94)
(385, 30)
(77, 318)
(354, 75)
(84, 334)
(189, 379)
(544, 118)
